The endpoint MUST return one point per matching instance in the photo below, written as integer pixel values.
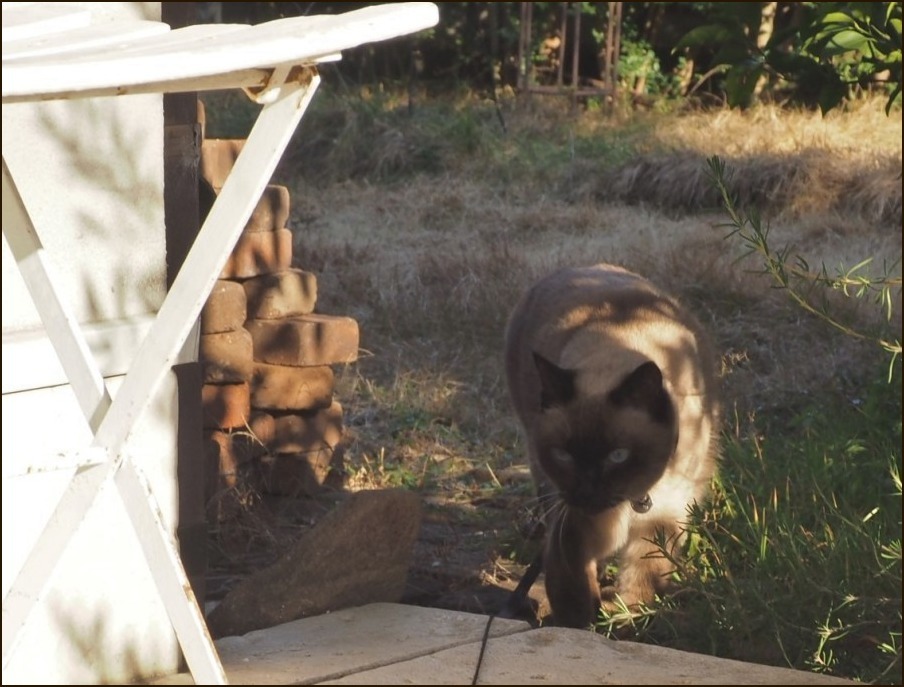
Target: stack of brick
(269, 412)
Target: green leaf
(731, 53)
(740, 83)
(705, 36)
(789, 64)
(848, 39)
(833, 91)
(838, 18)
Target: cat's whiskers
(552, 505)
(540, 508)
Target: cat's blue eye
(619, 455)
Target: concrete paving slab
(562, 656)
(349, 642)
(395, 644)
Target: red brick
(221, 463)
(218, 448)
(272, 210)
(284, 387)
(235, 447)
(231, 458)
(218, 490)
(269, 214)
(261, 426)
(301, 474)
(226, 357)
(212, 470)
(305, 340)
(225, 406)
(259, 252)
(280, 294)
(226, 454)
(226, 309)
(231, 468)
(310, 431)
(218, 155)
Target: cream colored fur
(601, 323)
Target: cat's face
(602, 451)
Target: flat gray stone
(564, 656)
(345, 643)
(357, 554)
(280, 294)
(393, 644)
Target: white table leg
(61, 325)
(159, 351)
(37, 571)
(208, 255)
(162, 553)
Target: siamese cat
(614, 385)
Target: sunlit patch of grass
(797, 559)
(405, 434)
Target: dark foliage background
(815, 54)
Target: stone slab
(225, 406)
(306, 340)
(565, 656)
(226, 308)
(226, 357)
(348, 642)
(218, 156)
(280, 294)
(272, 210)
(395, 644)
(357, 553)
(285, 387)
(307, 431)
(259, 252)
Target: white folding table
(54, 51)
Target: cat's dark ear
(643, 389)
(556, 383)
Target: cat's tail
(517, 601)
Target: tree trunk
(763, 36)
(767, 24)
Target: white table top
(53, 50)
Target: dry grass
(426, 226)
(431, 268)
(858, 131)
(795, 162)
(844, 167)
(425, 223)
(815, 182)
(430, 256)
